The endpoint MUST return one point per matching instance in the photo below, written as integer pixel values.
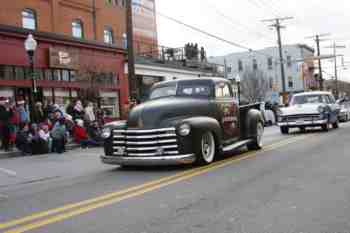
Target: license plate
(119, 151)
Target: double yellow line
(41, 219)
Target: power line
(194, 28)
(239, 24)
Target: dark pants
(5, 131)
(58, 145)
(88, 142)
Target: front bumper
(149, 161)
(303, 123)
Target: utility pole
(134, 93)
(318, 40)
(278, 27)
(335, 46)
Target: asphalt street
(298, 183)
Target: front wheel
(256, 143)
(205, 148)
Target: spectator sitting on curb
(80, 135)
(44, 135)
(23, 142)
(94, 132)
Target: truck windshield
(308, 99)
(164, 91)
(182, 89)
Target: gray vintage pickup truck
(183, 122)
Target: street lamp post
(238, 81)
(30, 45)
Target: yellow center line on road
(105, 200)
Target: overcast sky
(240, 21)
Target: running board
(236, 145)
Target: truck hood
(166, 112)
(301, 109)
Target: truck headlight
(184, 129)
(106, 133)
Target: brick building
(81, 46)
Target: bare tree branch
(254, 85)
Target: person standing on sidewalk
(5, 117)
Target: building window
(269, 63)
(229, 69)
(255, 64)
(290, 82)
(111, 2)
(77, 29)
(6, 72)
(240, 65)
(271, 82)
(121, 3)
(289, 61)
(108, 35)
(29, 19)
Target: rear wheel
(205, 148)
(256, 144)
(284, 130)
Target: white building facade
(298, 75)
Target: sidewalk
(16, 153)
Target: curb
(16, 153)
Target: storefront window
(19, 73)
(65, 75)
(57, 75)
(72, 76)
(39, 74)
(6, 72)
(48, 75)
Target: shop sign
(64, 59)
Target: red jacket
(79, 134)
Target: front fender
(205, 124)
(253, 117)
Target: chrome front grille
(304, 117)
(155, 142)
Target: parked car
(183, 122)
(344, 114)
(309, 109)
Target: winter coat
(58, 131)
(79, 134)
(89, 114)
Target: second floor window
(229, 69)
(255, 64)
(108, 35)
(240, 65)
(29, 19)
(269, 63)
(289, 61)
(77, 29)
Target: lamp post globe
(30, 46)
